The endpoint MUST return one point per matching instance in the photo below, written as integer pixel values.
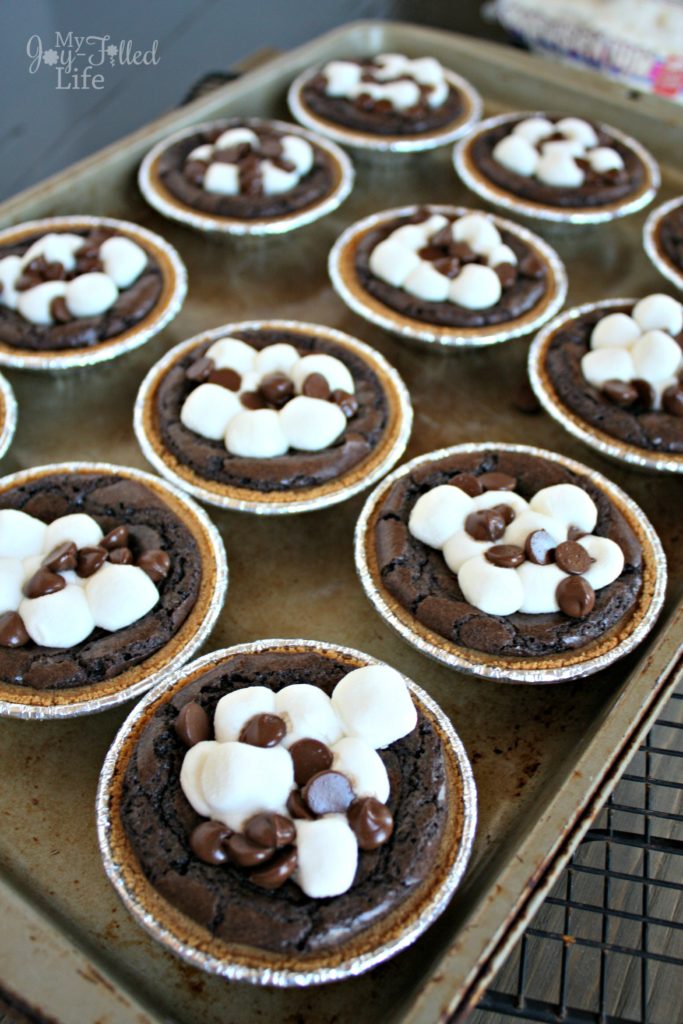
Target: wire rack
(607, 945)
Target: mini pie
(245, 176)
(318, 812)
(385, 102)
(78, 290)
(8, 414)
(510, 562)
(557, 168)
(109, 579)
(447, 276)
(611, 373)
(272, 416)
(663, 240)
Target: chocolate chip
(59, 311)
(531, 266)
(524, 399)
(672, 400)
(208, 842)
(497, 482)
(246, 854)
(309, 757)
(316, 386)
(574, 533)
(449, 266)
(89, 560)
(270, 146)
(296, 806)
(194, 171)
(506, 556)
(539, 547)
(89, 264)
(270, 830)
(276, 873)
(121, 556)
(506, 511)
(252, 400)
(263, 730)
(44, 582)
(575, 597)
(572, 558)
(12, 630)
(347, 402)
(277, 389)
(328, 792)
(469, 483)
(645, 391)
(371, 822)
(156, 563)
(430, 252)
(62, 558)
(26, 281)
(461, 251)
(620, 393)
(198, 371)
(225, 378)
(507, 274)
(485, 524)
(192, 724)
(116, 538)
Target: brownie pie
(663, 239)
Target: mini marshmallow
(608, 561)
(426, 70)
(309, 714)
(327, 856)
(32, 564)
(615, 329)
(476, 287)
(539, 585)
(238, 780)
(659, 313)
(191, 775)
(438, 94)
(56, 248)
(256, 434)
(11, 582)
(123, 260)
(362, 766)
(434, 223)
(278, 358)
(533, 129)
(34, 303)
(516, 154)
(21, 535)
(374, 703)
(236, 137)
(299, 152)
(391, 65)
(510, 498)
(459, 548)
(604, 158)
(251, 381)
(89, 294)
(568, 504)
(222, 179)
(393, 262)
(559, 170)
(234, 710)
(232, 354)
(656, 356)
(412, 236)
(69, 575)
(577, 128)
(490, 588)
(208, 409)
(438, 514)
(275, 179)
(332, 369)
(203, 153)
(602, 364)
(119, 595)
(77, 528)
(425, 282)
(311, 424)
(501, 254)
(61, 620)
(563, 147)
(528, 522)
(10, 270)
(402, 94)
(342, 77)
(479, 231)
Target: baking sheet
(542, 757)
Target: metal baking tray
(544, 758)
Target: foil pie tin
(8, 414)
(605, 444)
(359, 477)
(158, 196)
(342, 271)
(26, 702)
(651, 242)
(468, 171)
(471, 113)
(167, 306)
(191, 942)
(594, 657)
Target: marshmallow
(402, 94)
(501, 254)
(123, 260)
(478, 231)
(34, 303)
(275, 179)
(533, 129)
(438, 94)
(232, 354)
(490, 588)
(393, 261)
(391, 65)
(342, 77)
(608, 561)
(11, 582)
(567, 504)
(203, 153)
(208, 409)
(559, 170)
(69, 575)
(61, 620)
(602, 364)
(528, 522)
(10, 270)
(32, 564)
(516, 154)
(577, 128)
(56, 248)
(604, 158)
(438, 514)
(222, 179)
(434, 223)
(659, 312)
(299, 152)
(77, 528)
(539, 585)
(374, 703)
(656, 356)
(234, 710)
(459, 548)
(256, 434)
(332, 369)
(327, 856)
(278, 358)
(362, 766)
(236, 137)
(311, 424)
(89, 294)
(309, 714)
(191, 774)
(425, 282)
(238, 780)
(425, 70)
(615, 329)
(21, 535)
(119, 595)
(476, 287)
(412, 236)
(563, 147)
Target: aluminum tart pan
(8, 414)
(471, 113)
(190, 941)
(488, 190)
(359, 477)
(25, 702)
(651, 243)
(167, 306)
(568, 665)
(342, 271)
(605, 444)
(158, 196)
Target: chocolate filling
(670, 237)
